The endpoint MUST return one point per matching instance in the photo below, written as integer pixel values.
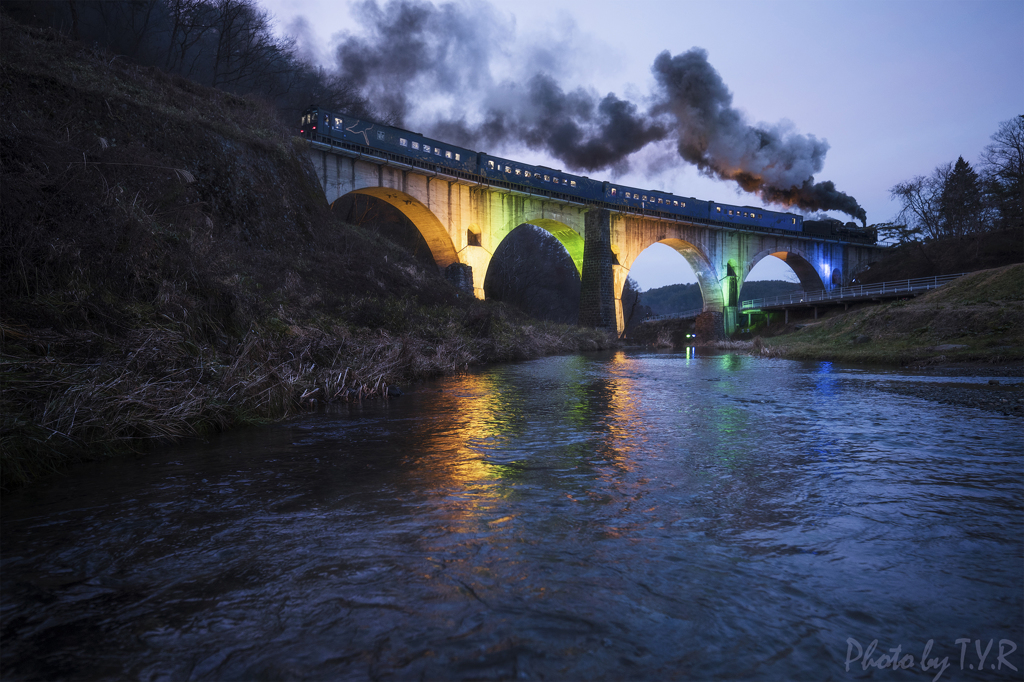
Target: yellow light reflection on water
(500, 422)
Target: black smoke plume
(584, 131)
(771, 161)
(413, 50)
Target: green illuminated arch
(570, 240)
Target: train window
(456, 156)
(447, 155)
(415, 145)
(613, 191)
(659, 200)
(426, 148)
(518, 172)
(526, 174)
(718, 208)
(508, 169)
(380, 134)
(682, 203)
(794, 221)
(337, 123)
(547, 178)
(404, 142)
(644, 197)
(491, 164)
(572, 183)
(554, 180)
(437, 151)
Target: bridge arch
(713, 289)
(433, 231)
(532, 270)
(810, 278)
(570, 239)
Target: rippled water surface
(627, 516)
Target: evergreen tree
(960, 204)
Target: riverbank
(976, 319)
(169, 267)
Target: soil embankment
(978, 318)
(168, 265)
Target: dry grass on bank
(976, 319)
(162, 384)
(168, 267)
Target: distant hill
(676, 298)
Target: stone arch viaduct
(464, 220)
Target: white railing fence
(829, 295)
(849, 293)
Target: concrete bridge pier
(729, 319)
(597, 288)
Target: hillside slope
(977, 318)
(676, 298)
(168, 265)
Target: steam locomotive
(413, 149)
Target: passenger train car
(403, 146)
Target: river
(630, 515)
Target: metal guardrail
(675, 316)
(895, 288)
(903, 286)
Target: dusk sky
(895, 88)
